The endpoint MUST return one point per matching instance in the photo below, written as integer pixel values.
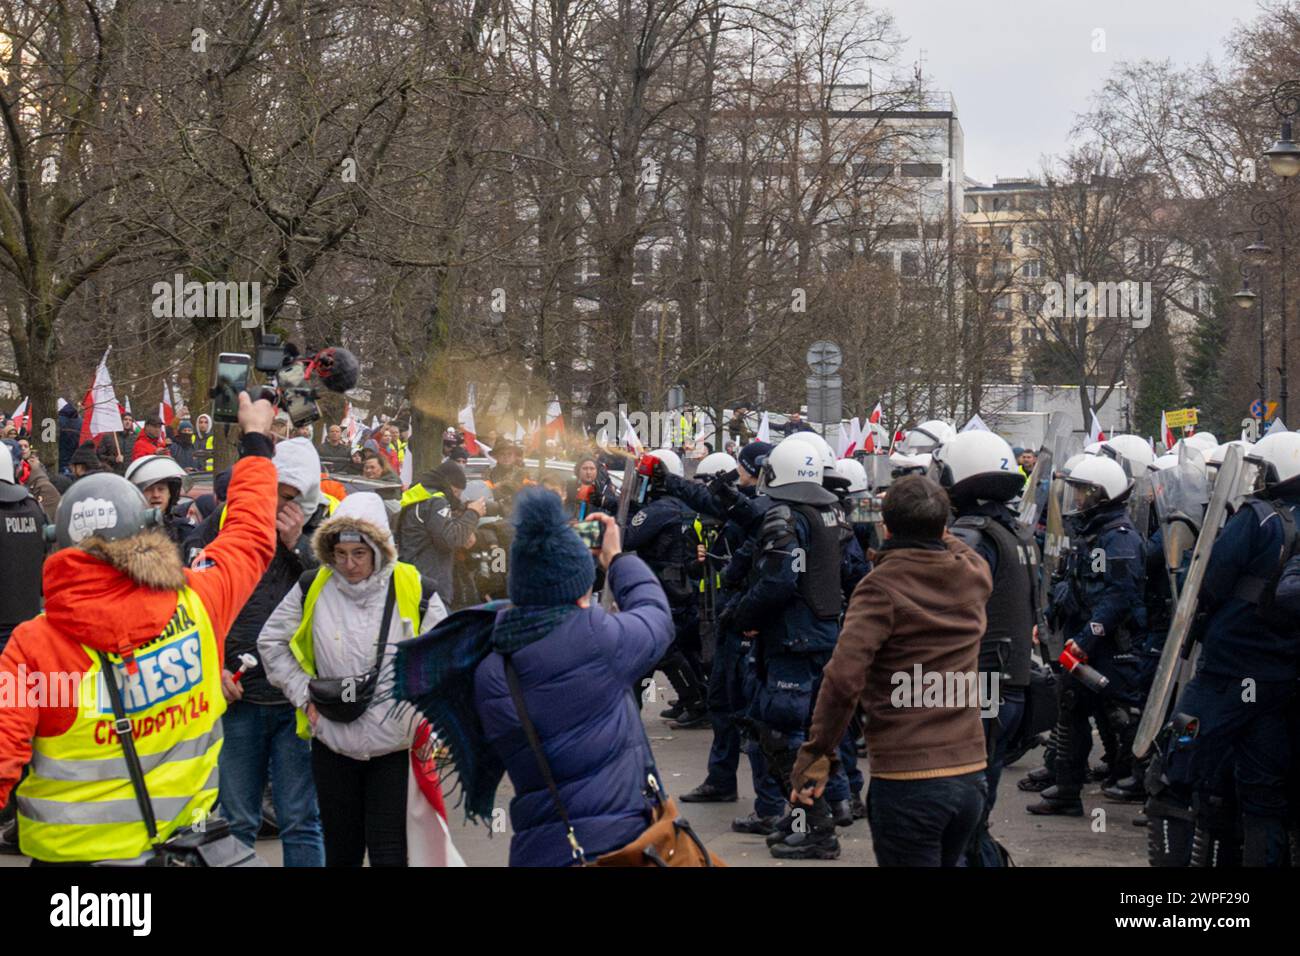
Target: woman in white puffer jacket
(360, 766)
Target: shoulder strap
(427, 590)
(534, 742)
(387, 621)
(305, 580)
(123, 727)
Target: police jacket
(793, 598)
(663, 535)
(994, 531)
(1238, 642)
(1100, 601)
(22, 552)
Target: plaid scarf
(435, 673)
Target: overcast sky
(1021, 70)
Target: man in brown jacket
(909, 653)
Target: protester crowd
(366, 649)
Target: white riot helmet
(1096, 481)
(1173, 459)
(1203, 441)
(1214, 457)
(909, 464)
(718, 463)
(927, 436)
(977, 464)
(852, 471)
(151, 469)
(1131, 448)
(793, 472)
(1279, 454)
(824, 451)
(1070, 462)
(671, 461)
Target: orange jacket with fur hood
(115, 596)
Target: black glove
(722, 488)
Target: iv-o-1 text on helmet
(101, 505)
(794, 471)
(977, 465)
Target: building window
(922, 170)
(1033, 269)
(910, 264)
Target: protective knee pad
(1171, 829)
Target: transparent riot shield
(1032, 503)
(880, 472)
(1176, 660)
(1180, 496)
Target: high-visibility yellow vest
(401, 450)
(717, 575)
(207, 446)
(417, 493)
(77, 803)
(406, 578)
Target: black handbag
(209, 843)
(344, 699)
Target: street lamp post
(1283, 158)
(1273, 212)
(1245, 298)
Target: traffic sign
(824, 358)
(1262, 410)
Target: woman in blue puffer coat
(578, 667)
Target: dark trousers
(362, 806)
(924, 822)
(999, 730)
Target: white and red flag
(1166, 433)
(101, 412)
(1094, 431)
(22, 416)
(428, 841)
(167, 407)
(466, 422)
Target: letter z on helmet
(793, 472)
(977, 464)
(1096, 481)
(101, 505)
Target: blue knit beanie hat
(549, 563)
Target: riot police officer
(1099, 607)
(1230, 736)
(662, 533)
(978, 469)
(791, 608)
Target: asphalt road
(1104, 836)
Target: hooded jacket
(919, 608)
(296, 465)
(139, 576)
(577, 683)
(39, 484)
(69, 434)
(429, 532)
(345, 629)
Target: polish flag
(855, 438)
(842, 442)
(428, 840)
(631, 440)
(764, 430)
(466, 422)
(101, 412)
(1094, 432)
(349, 424)
(554, 419)
(1166, 432)
(874, 418)
(976, 424)
(22, 417)
(900, 436)
(167, 407)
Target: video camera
(294, 388)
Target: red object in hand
(645, 465)
(1072, 656)
(584, 492)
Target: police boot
(842, 811)
(1058, 802)
(1128, 790)
(1037, 779)
(709, 793)
(813, 837)
(755, 824)
(673, 711)
(859, 808)
(783, 827)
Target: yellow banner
(1181, 417)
